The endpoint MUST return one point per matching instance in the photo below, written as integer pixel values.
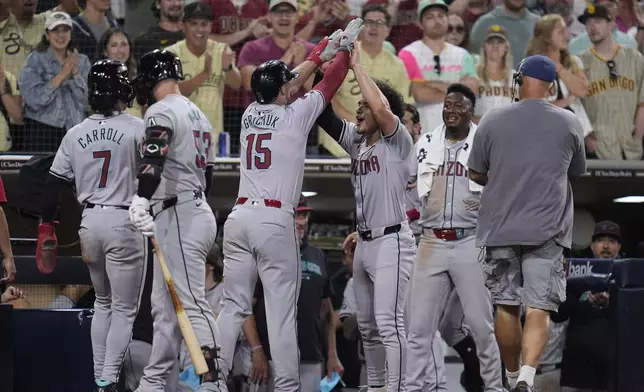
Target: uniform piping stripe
(201, 310)
(400, 348)
(297, 296)
(146, 254)
(435, 366)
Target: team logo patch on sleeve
(151, 122)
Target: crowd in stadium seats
(419, 47)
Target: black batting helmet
(268, 79)
(108, 83)
(154, 67)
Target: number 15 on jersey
(258, 155)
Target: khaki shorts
(529, 275)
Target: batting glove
(140, 215)
(326, 49)
(349, 35)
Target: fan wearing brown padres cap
(520, 153)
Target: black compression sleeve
(330, 122)
(147, 186)
(209, 170)
(50, 198)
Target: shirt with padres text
(612, 102)
(273, 146)
(191, 145)
(379, 174)
(101, 154)
(493, 94)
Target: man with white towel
(447, 257)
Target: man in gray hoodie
(517, 21)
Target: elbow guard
(155, 148)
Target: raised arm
(377, 102)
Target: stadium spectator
(433, 64)
(322, 19)
(53, 84)
(207, 66)
(495, 72)
(11, 110)
(474, 10)
(315, 322)
(457, 32)
(90, 25)
(235, 22)
(551, 39)
(280, 44)
(117, 7)
(116, 44)
(70, 7)
(404, 21)
(583, 41)
(565, 8)
(167, 32)
(379, 63)
(68, 296)
(517, 21)
(21, 30)
(616, 88)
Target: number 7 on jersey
(258, 156)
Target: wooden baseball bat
(189, 336)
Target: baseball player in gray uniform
(447, 258)
(451, 327)
(379, 147)
(99, 154)
(259, 234)
(175, 175)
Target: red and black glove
(46, 248)
(413, 215)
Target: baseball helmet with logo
(108, 83)
(154, 67)
(268, 79)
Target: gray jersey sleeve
(155, 116)
(307, 109)
(400, 142)
(62, 165)
(479, 159)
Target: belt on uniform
(170, 202)
(453, 234)
(92, 205)
(548, 368)
(267, 202)
(368, 235)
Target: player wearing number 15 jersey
(100, 155)
(174, 178)
(259, 234)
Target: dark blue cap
(539, 67)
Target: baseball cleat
(106, 388)
(523, 386)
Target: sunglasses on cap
(612, 70)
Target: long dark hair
(130, 63)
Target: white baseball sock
(512, 377)
(527, 374)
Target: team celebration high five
(143, 186)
